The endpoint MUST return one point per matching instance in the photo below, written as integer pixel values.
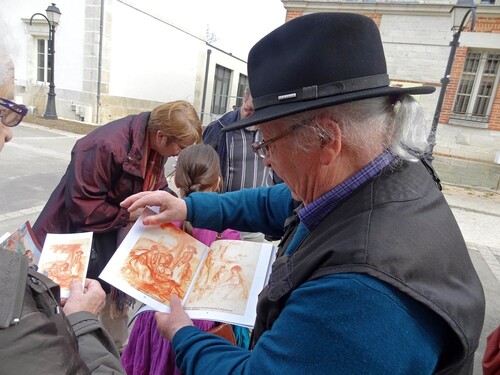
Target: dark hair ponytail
(197, 169)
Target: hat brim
(278, 111)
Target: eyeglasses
(11, 114)
(261, 148)
(180, 147)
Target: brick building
(416, 37)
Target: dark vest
(399, 229)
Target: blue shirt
(336, 324)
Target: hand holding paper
(169, 324)
(171, 208)
(90, 298)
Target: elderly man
(239, 167)
(372, 274)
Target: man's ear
(330, 149)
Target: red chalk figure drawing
(220, 282)
(225, 282)
(160, 265)
(65, 257)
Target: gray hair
(7, 48)
(370, 126)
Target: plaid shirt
(312, 214)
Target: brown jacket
(106, 167)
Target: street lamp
(460, 12)
(53, 15)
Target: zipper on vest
(20, 288)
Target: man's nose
(7, 132)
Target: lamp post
(460, 12)
(53, 15)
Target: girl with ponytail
(147, 352)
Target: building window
(477, 87)
(242, 84)
(42, 67)
(222, 82)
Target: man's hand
(91, 298)
(169, 324)
(171, 208)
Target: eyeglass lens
(10, 118)
(262, 152)
(11, 113)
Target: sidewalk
(474, 204)
(478, 215)
(76, 127)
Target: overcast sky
(237, 24)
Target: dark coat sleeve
(91, 175)
(212, 135)
(33, 346)
(95, 345)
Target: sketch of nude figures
(159, 269)
(69, 264)
(225, 278)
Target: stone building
(416, 36)
(116, 57)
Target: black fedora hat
(315, 61)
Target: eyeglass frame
(19, 109)
(179, 147)
(174, 141)
(260, 147)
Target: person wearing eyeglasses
(372, 275)
(39, 333)
(11, 114)
(116, 160)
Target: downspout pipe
(203, 100)
(99, 63)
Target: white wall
(69, 44)
(69, 39)
(416, 47)
(149, 59)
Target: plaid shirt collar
(312, 214)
